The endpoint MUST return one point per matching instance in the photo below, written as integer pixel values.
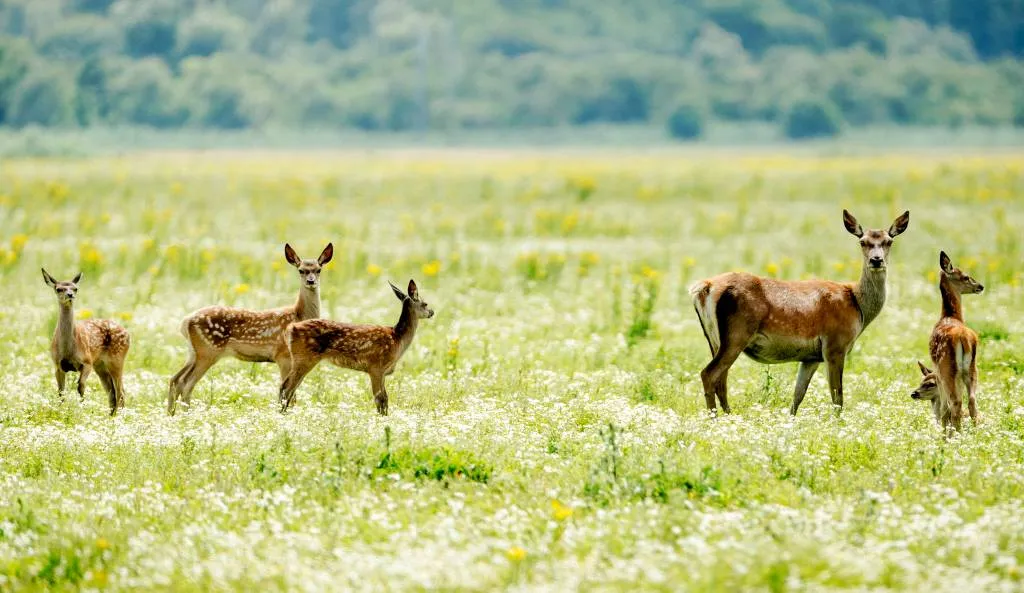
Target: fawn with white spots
(809, 322)
(373, 349)
(87, 345)
(253, 336)
(953, 348)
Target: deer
(808, 321)
(373, 349)
(953, 348)
(87, 345)
(253, 336)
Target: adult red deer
(954, 351)
(809, 321)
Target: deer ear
(852, 225)
(945, 263)
(924, 370)
(900, 224)
(326, 254)
(291, 256)
(48, 278)
(77, 278)
(414, 292)
(398, 292)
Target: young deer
(373, 349)
(253, 336)
(953, 348)
(809, 322)
(82, 346)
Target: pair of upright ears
(294, 259)
(52, 282)
(414, 292)
(898, 226)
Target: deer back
(353, 346)
(251, 333)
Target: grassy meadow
(548, 428)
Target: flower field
(547, 427)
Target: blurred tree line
(811, 65)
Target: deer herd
(771, 321)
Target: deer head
(309, 269)
(875, 243)
(66, 291)
(962, 283)
(928, 390)
(419, 308)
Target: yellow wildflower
(125, 315)
(84, 314)
(431, 268)
(373, 270)
(102, 543)
(18, 242)
(515, 554)
(241, 288)
(560, 511)
(771, 268)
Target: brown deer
(953, 348)
(809, 322)
(253, 336)
(373, 349)
(86, 345)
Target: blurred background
(676, 70)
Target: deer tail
(964, 356)
(704, 304)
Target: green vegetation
(448, 65)
(547, 427)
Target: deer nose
(876, 261)
(981, 287)
(915, 395)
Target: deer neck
(951, 304)
(308, 305)
(65, 337)
(870, 294)
(405, 329)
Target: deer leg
(734, 341)
(60, 382)
(949, 387)
(286, 393)
(108, 386)
(803, 379)
(836, 361)
(721, 391)
(199, 369)
(972, 387)
(175, 384)
(380, 395)
(83, 374)
(116, 374)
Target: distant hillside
(450, 64)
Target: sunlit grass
(547, 427)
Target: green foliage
(810, 118)
(409, 65)
(43, 97)
(15, 58)
(686, 122)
